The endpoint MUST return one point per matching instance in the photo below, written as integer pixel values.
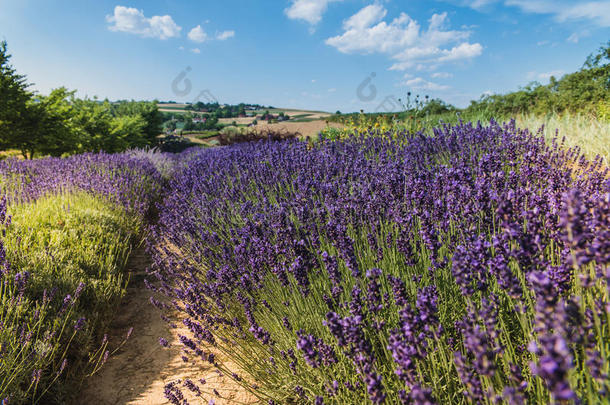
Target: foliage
(211, 122)
(223, 111)
(14, 97)
(147, 111)
(115, 127)
(603, 111)
(60, 124)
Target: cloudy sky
(316, 54)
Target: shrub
(603, 111)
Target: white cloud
(477, 4)
(366, 33)
(403, 39)
(419, 83)
(196, 50)
(197, 34)
(132, 20)
(221, 36)
(577, 36)
(481, 3)
(308, 10)
(366, 17)
(597, 11)
(462, 51)
(441, 75)
(332, 90)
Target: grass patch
(305, 120)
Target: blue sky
(315, 54)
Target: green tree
(34, 124)
(147, 110)
(585, 90)
(92, 118)
(189, 125)
(14, 96)
(127, 131)
(52, 130)
(597, 60)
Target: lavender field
(301, 202)
(471, 266)
(467, 266)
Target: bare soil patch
(138, 373)
(306, 129)
(238, 120)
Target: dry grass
(584, 131)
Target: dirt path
(139, 371)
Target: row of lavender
(469, 266)
(132, 182)
(68, 226)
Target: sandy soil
(138, 373)
(310, 114)
(242, 121)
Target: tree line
(584, 91)
(587, 90)
(62, 124)
(224, 111)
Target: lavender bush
(131, 182)
(68, 226)
(163, 162)
(471, 266)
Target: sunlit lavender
(471, 266)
